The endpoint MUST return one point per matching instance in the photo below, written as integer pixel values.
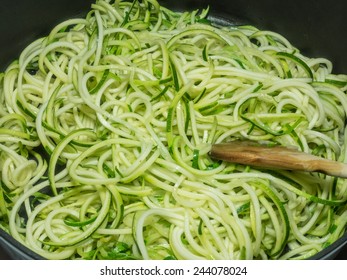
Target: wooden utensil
(276, 157)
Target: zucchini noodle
(106, 126)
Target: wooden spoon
(276, 157)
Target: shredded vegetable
(106, 126)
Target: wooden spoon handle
(277, 157)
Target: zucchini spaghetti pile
(106, 125)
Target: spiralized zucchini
(106, 125)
